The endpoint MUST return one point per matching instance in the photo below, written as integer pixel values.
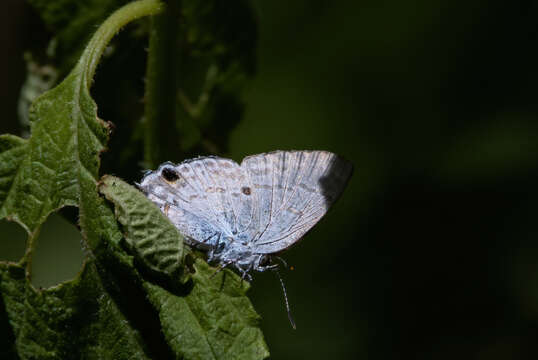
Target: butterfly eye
(169, 174)
(246, 190)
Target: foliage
(141, 293)
(208, 56)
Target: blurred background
(432, 251)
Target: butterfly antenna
(286, 299)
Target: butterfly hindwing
(202, 197)
(303, 186)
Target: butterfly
(244, 214)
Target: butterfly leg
(219, 269)
(211, 254)
(245, 273)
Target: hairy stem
(110, 27)
(161, 136)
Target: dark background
(431, 253)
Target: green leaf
(212, 319)
(56, 167)
(12, 152)
(77, 320)
(155, 241)
(114, 309)
(117, 87)
(215, 46)
(61, 159)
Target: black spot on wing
(169, 174)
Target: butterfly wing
(204, 197)
(292, 191)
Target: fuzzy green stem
(161, 137)
(103, 35)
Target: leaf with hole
(139, 301)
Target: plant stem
(121, 17)
(161, 136)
